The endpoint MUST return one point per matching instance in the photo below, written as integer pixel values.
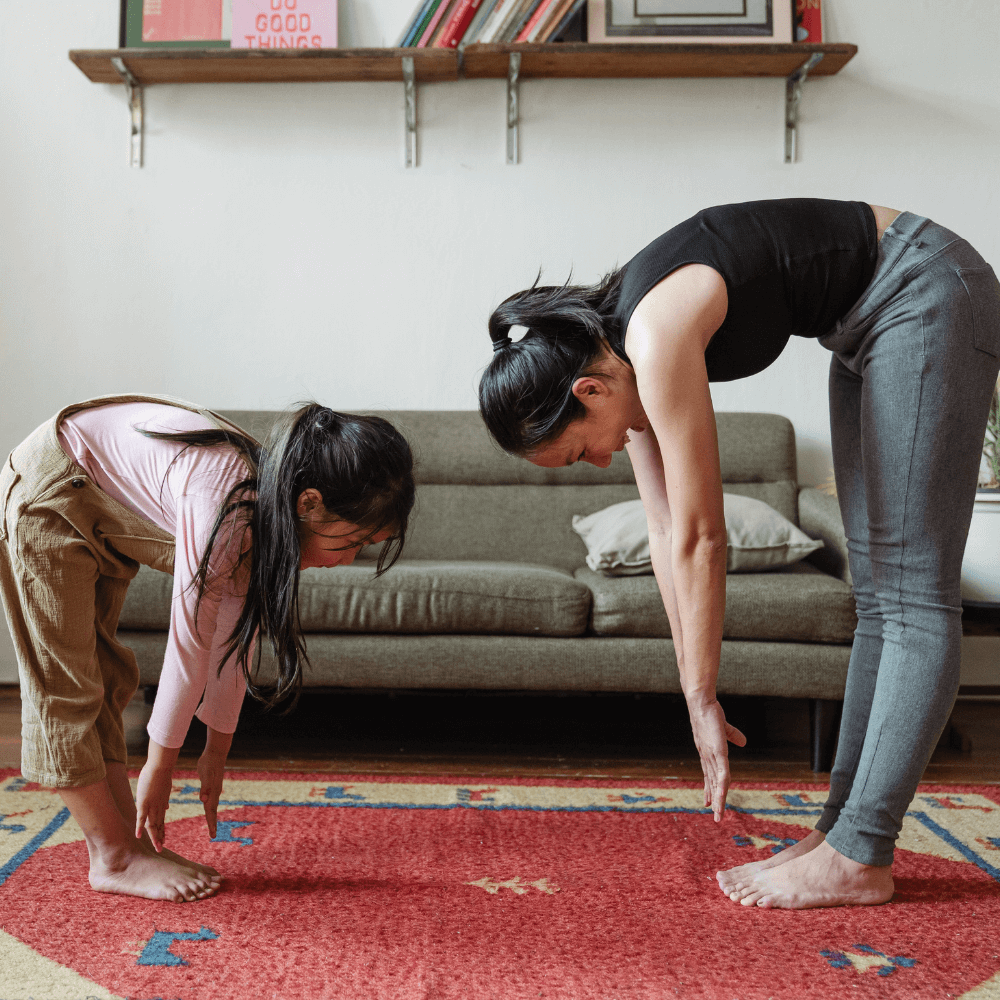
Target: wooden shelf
(581, 60)
(153, 66)
(141, 68)
(566, 60)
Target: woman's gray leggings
(914, 367)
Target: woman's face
(326, 541)
(612, 410)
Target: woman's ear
(309, 502)
(587, 386)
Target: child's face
(334, 543)
(328, 541)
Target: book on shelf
(476, 25)
(175, 25)
(453, 24)
(492, 26)
(518, 19)
(530, 29)
(413, 23)
(809, 21)
(570, 24)
(458, 23)
(432, 24)
(425, 19)
(302, 24)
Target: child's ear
(309, 501)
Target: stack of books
(449, 24)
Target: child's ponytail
(526, 393)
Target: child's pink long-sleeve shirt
(180, 491)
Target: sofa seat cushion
(416, 596)
(798, 604)
(427, 597)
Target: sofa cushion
(800, 604)
(433, 597)
(415, 596)
(617, 538)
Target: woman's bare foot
(136, 872)
(733, 880)
(822, 877)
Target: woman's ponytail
(526, 393)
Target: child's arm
(152, 794)
(211, 770)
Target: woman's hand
(152, 794)
(712, 736)
(211, 770)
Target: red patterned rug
(384, 888)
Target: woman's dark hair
(526, 393)
(363, 469)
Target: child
(122, 480)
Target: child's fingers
(210, 799)
(155, 829)
(140, 820)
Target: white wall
(274, 247)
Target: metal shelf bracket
(410, 104)
(513, 106)
(793, 95)
(133, 91)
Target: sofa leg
(824, 723)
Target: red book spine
(434, 21)
(810, 21)
(535, 18)
(456, 26)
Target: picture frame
(138, 27)
(703, 21)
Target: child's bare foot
(733, 880)
(822, 877)
(137, 872)
(186, 862)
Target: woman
(911, 313)
(114, 482)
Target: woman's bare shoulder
(689, 304)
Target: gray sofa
(493, 592)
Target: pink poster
(181, 20)
(284, 24)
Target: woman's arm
(677, 469)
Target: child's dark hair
(526, 393)
(363, 469)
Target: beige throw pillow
(759, 538)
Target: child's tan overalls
(68, 552)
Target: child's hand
(152, 797)
(211, 770)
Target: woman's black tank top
(792, 267)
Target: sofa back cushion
(476, 502)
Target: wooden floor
(508, 735)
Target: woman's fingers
(735, 736)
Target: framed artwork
(726, 21)
(175, 24)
